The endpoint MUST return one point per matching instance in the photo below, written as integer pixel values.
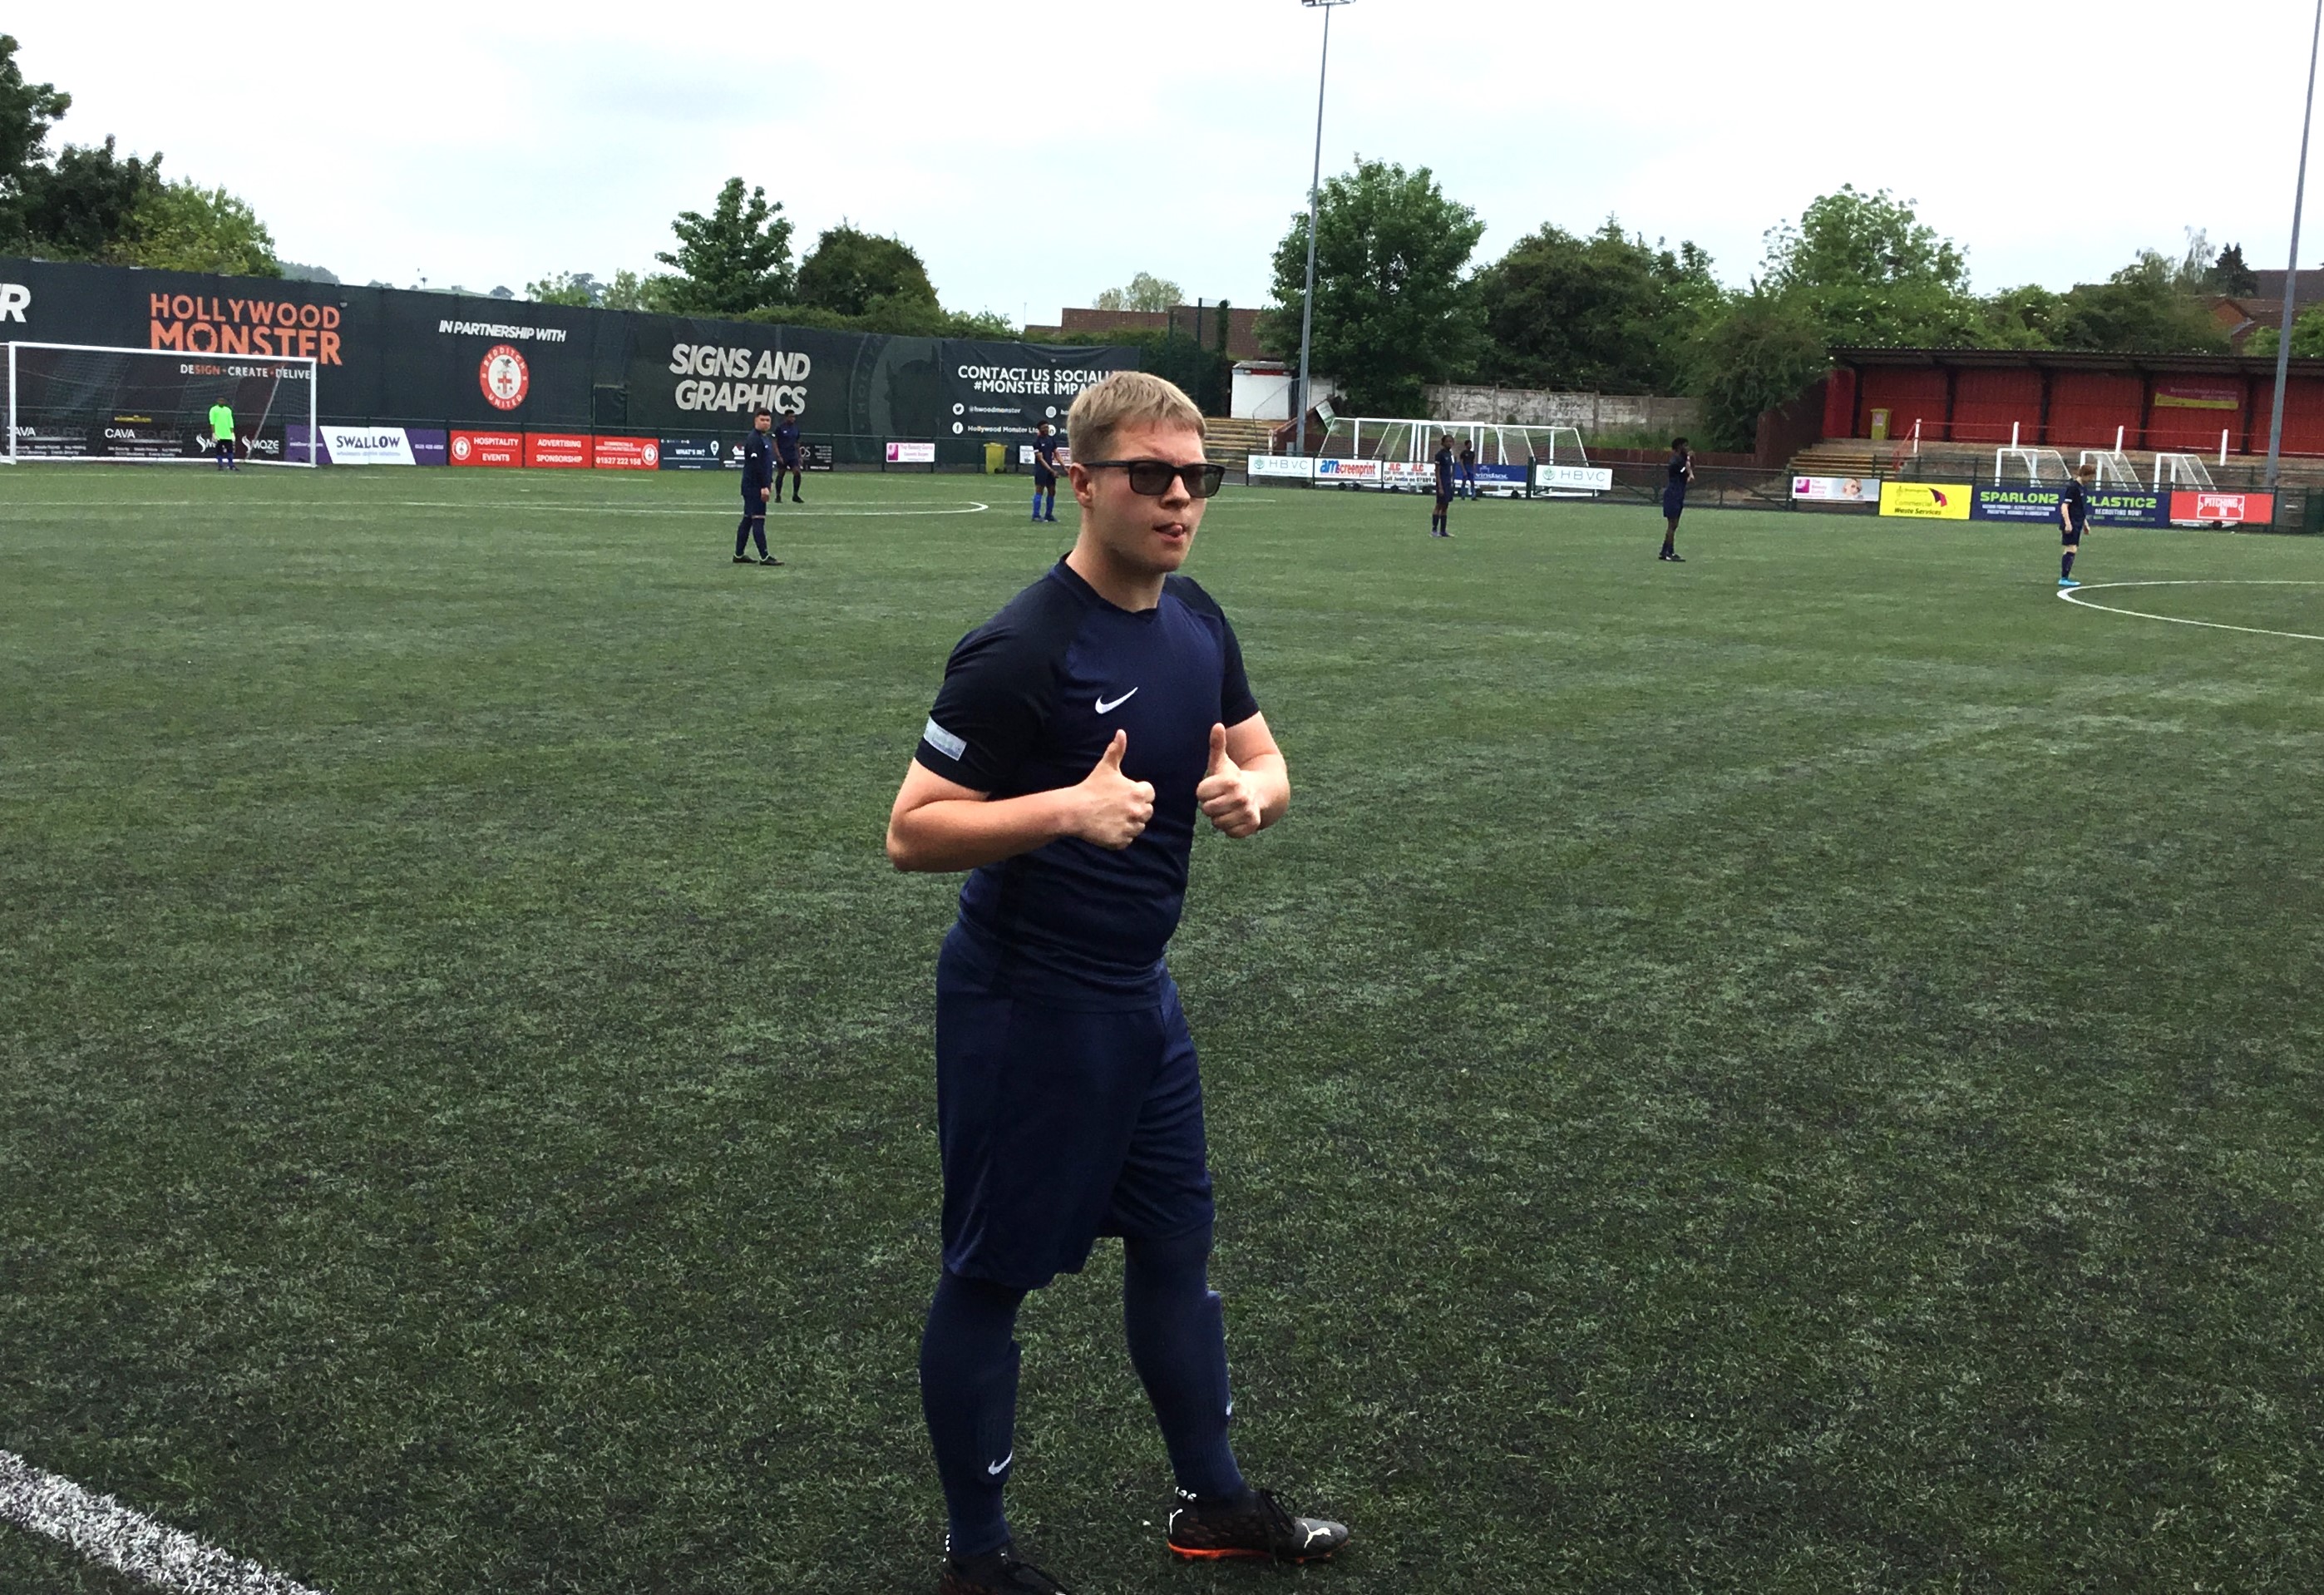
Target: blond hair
(1127, 399)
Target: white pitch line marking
(102, 1530)
(2073, 595)
(972, 508)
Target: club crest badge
(504, 377)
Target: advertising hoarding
(625, 454)
(1864, 491)
(1573, 479)
(911, 454)
(1925, 500)
(692, 453)
(504, 449)
(556, 451)
(2222, 509)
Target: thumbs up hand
(1226, 794)
(1113, 809)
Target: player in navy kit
(1044, 473)
(2073, 519)
(1677, 474)
(1440, 524)
(787, 457)
(757, 473)
(1077, 735)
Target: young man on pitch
(1077, 736)
(222, 435)
(1678, 475)
(757, 472)
(787, 459)
(1440, 524)
(2073, 519)
(1044, 473)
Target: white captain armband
(941, 740)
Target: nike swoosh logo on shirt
(1105, 708)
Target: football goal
(2033, 467)
(2186, 471)
(81, 401)
(2114, 466)
(1395, 454)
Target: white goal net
(80, 402)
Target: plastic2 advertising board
(487, 449)
(1925, 500)
(2041, 504)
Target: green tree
(850, 269)
(27, 112)
(182, 227)
(1867, 270)
(2229, 275)
(735, 260)
(1145, 292)
(2155, 305)
(580, 288)
(88, 204)
(1762, 353)
(629, 291)
(2307, 336)
(1606, 313)
(1393, 312)
(2020, 318)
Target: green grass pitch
(1797, 1071)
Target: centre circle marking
(2073, 595)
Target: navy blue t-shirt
(757, 461)
(2078, 506)
(1444, 472)
(1030, 700)
(787, 440)
(1044, 455)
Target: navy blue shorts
(1673, 506)
(1058, 1126)
(1044, 480)
(2072, 535)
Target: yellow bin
(996, 455)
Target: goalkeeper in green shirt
(222, 432)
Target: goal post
(94, 401)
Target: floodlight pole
(2291, 274)
(1315, 201)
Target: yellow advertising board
(1925, 500)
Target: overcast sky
(1035, 155)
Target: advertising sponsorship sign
(1025, 455)
(2197, 395)
(2108, 507)
(1566, 479)
(1509, 476)
(692, 453)
(1837, 489)
(556, 451)
(1925, 500)
(625, 454)
(367, 446)
(2222, 509)
(1348, 473)
(1282, 468)
(911, 454)
(485, 365)
(487, 449)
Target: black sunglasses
(1151, 478)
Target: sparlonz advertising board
(2222, 509)
(1926, 500)
(2110, 507)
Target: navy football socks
(1177, 1336)
(2065, 566)
(968, 1392)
